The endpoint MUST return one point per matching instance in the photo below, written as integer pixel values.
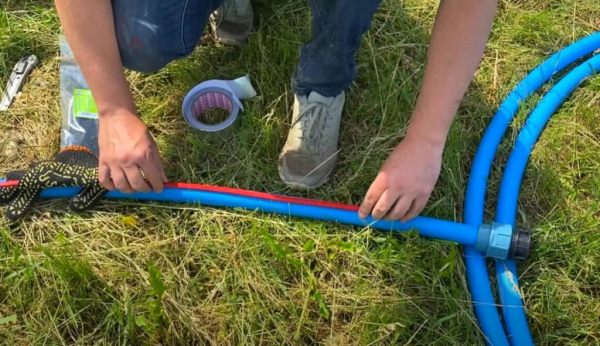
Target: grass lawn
(133, 273)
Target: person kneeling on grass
(107, 35)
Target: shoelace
(313, 120)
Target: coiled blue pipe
(427, 227)
(479, 285)
(506, 271)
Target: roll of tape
(219, 94)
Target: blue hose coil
(478, 279)
(506, 271)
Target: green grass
(131, 273)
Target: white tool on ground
(17, 79)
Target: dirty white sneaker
(233, 22)
(308, 158)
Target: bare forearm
(459, 36)
(89, 28)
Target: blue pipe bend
(506, 271)
(478, 279)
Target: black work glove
(72, 167)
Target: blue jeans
(152, 33)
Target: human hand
(405, 182)
(129, 158)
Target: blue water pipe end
(501, 241)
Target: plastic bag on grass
(80, 115)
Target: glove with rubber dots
(74, 166)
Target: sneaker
(308, 158)
(232, 23)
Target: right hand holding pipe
(405, 182)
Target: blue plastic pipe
(427, 227)
(517, 161)
(478, 279)
(506, 271)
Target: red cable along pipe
(239, 192)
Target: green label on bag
(84, 105)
